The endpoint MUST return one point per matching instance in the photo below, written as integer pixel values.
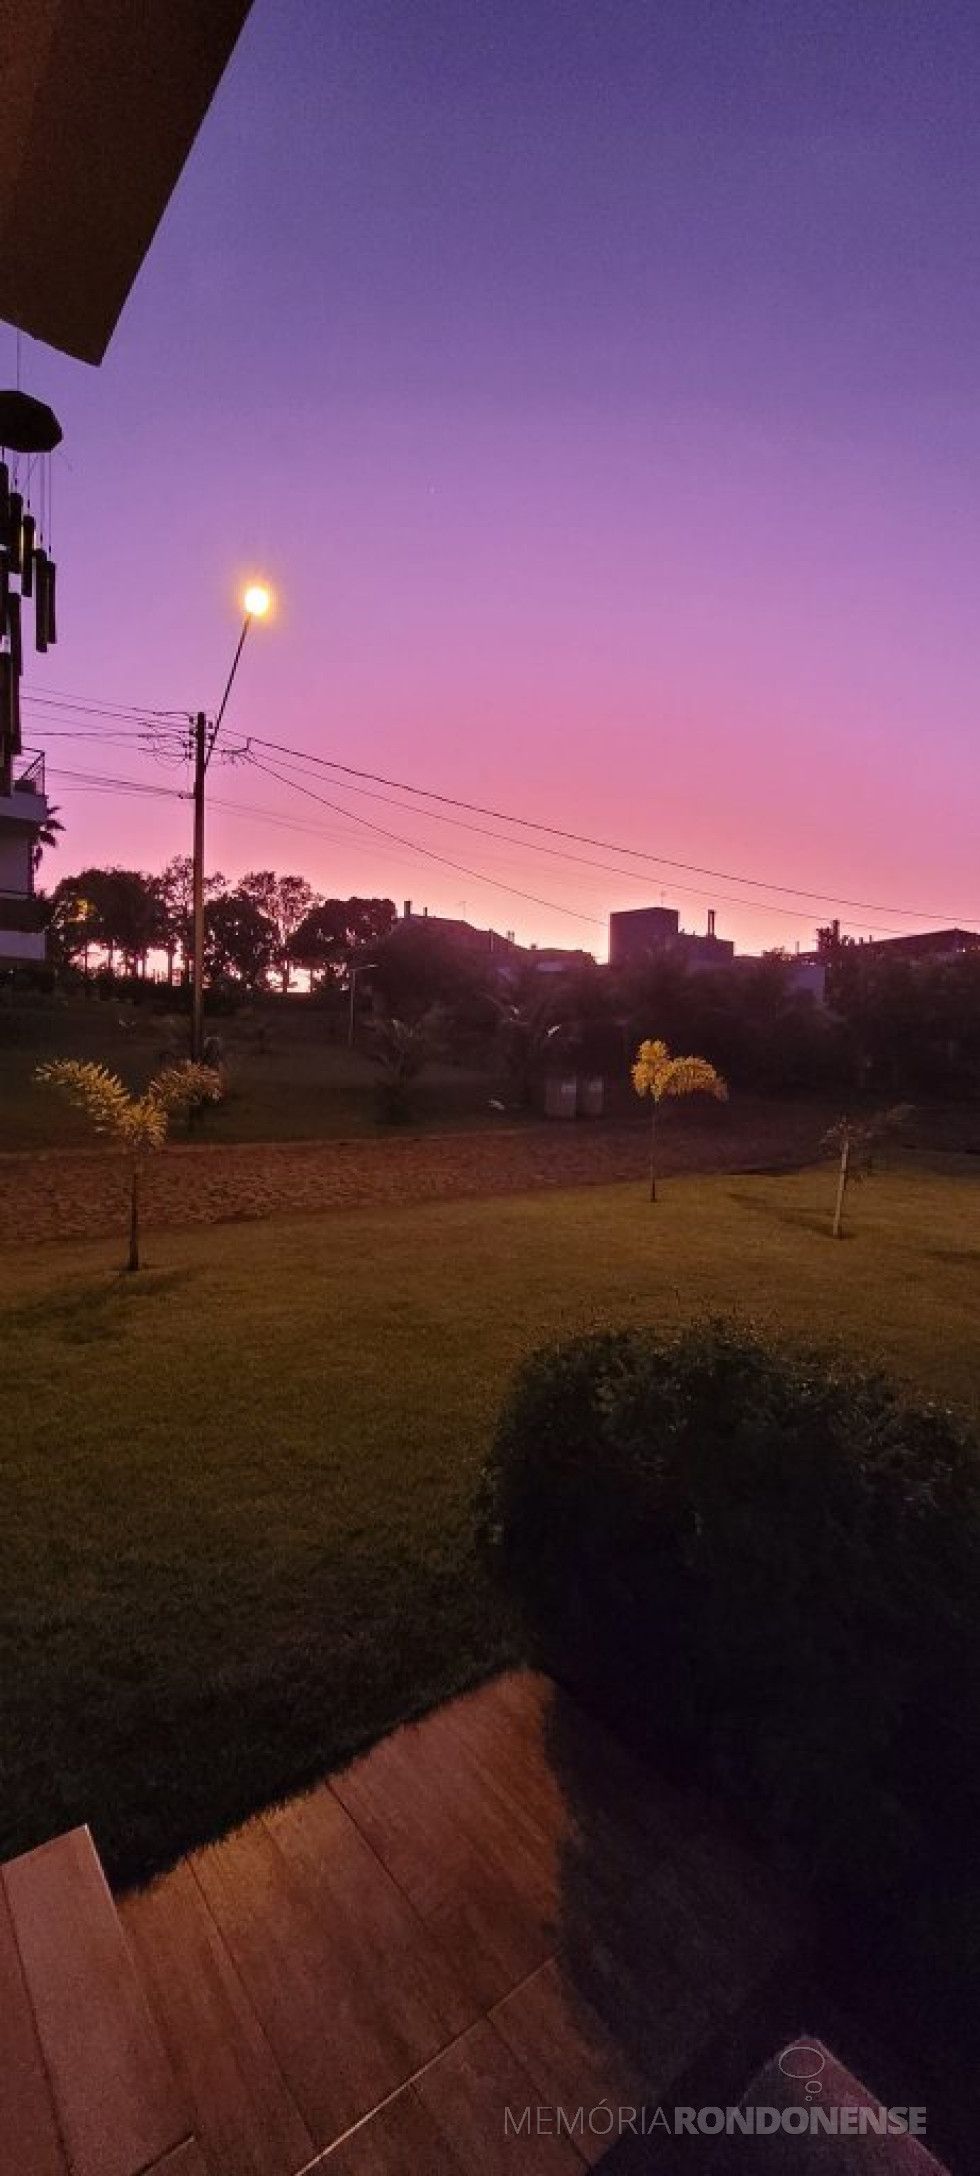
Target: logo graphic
(802, 2061)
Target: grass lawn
(286, 1080)
(238, 1489)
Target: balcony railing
(31, 778)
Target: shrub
(764, 1564)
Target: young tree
(657, 1075)
(527, 1035)
(139, 1123)
(854, 1141)
(401, 1049)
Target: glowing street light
(256, 601)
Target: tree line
(892, 1026)
(256, 931)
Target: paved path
(82, 1194)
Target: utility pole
(256, 601)
(197, 998)
(362, 968)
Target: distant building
(463, 936)
(921, 944)
(553, 959)
(23, 811)
(654, 933)
(926, 944)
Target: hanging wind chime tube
(15, 531)
(28, 532)
(27, 569)
(6, 701)
(40, 599)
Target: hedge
(763, 1564)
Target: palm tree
(657, 1075)
(49, 834)
(527, 1034)
(402, 1049)
(140, 1123)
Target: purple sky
(598, 385)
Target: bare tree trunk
(845, 1157)
(134, 1219)
(653, 1150)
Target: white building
(23, 810)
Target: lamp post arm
(223, 705)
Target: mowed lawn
(237, 1537)
(285, 1081)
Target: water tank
(560, 1097)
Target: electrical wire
(631, 876)
(51, 698)
(578, 838)
(462, 869)
(132, 716)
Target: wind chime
(29, 433)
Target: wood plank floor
(496, 1910)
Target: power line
(107, 782)
(51, 699)
(496, 883)
(578, 838)
(632, 876)
(133, 715)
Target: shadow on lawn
(96, 1309)
(807, 1220)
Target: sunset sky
(597, 383)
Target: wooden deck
(494, 1910)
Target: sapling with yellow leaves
(139, 1122)
(657, 1074)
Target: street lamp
(255, 604)
(362, 968)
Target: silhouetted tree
(419, 968)
(176, 890)
(336, 930)
(239, 940)
(284, 901)
(122, 913)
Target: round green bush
(765, 1565)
